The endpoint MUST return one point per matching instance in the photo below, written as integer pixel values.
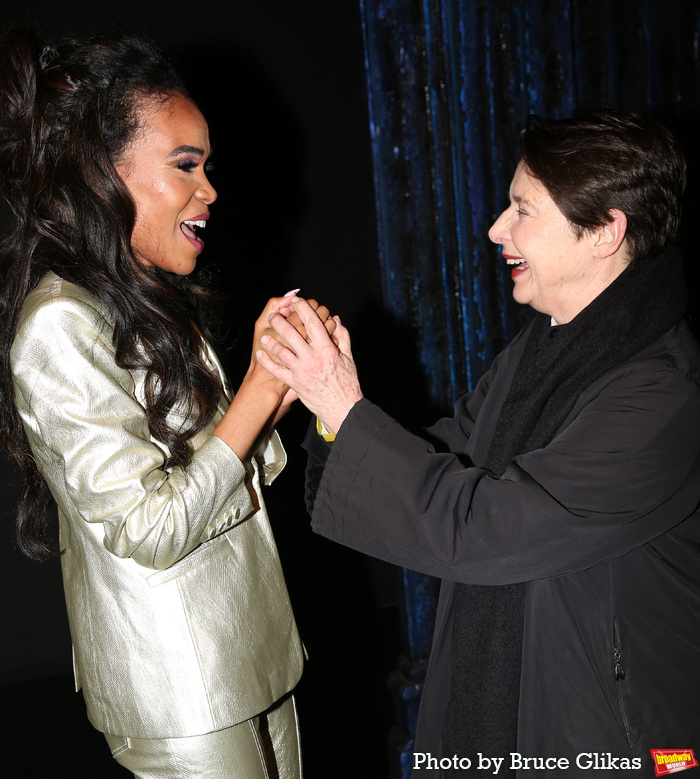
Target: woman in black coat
(560, 503)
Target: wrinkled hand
(283, 307)
(317, 366)
(256, 372)
(321, 311)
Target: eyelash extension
(189, 165)
(186, 165)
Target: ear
(609, 237)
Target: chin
(181, 268)
(519, 297)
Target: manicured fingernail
(291, 293)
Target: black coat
(603, 524)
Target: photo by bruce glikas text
(517, 762)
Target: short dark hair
(598, 160)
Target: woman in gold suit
(116, 407)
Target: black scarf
(646, 300)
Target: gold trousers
(265, 747)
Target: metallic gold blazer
(179, 614)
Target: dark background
(282, 86)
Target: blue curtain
(449, 85)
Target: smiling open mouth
(191, 228)
(518, 264)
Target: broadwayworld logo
(668, 761)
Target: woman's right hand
(261, 398)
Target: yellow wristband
(325, 434)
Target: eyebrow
(520, 200)
(185, 149)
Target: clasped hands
(309, 351)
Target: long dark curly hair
(67, 115)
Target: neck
(601, 275)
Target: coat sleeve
(90, 436)
(624, 469)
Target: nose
(499, 231)
(205, 192)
